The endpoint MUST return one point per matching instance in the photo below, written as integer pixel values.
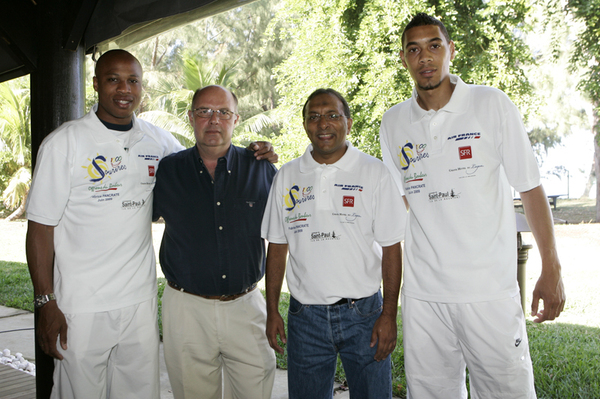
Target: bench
(552, 199)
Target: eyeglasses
(207, 113)
(328, 117)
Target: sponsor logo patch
(98, 168)
(412, 153)
(323, 236)
(465, 152)
(348, 201)
(443, 196)
(465, 136)
(292, 199)
(132, 204)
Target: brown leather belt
(223, 298)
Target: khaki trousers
(216, 349)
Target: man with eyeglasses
(212, 197)
(333, 207)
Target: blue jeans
(317, 333)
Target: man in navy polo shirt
(212, 197)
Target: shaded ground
(571, 211)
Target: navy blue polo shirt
(211, 243)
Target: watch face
(41, 300)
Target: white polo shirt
(456, 167)
(99, 197)
(332, 216)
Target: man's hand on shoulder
(52, 323)
(385, 335)
(263, 150)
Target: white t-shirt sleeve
(389, 212)
(50, 186)
(272, 227)
(515, 150)
(388, 159)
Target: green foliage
(231, 52)
(586, 52)
(16, 290)
(161, 283)
(566, 360)
(356, 52)
(15, 142)
(558, 107)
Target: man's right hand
(274, 327)
(51, 324)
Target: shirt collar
(102, 134)
(229, 156)
(457, 103)
(346, 162)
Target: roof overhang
(97, 24)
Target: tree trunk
(597, 159)
(154, 53)
(17, 213)
(591, 179)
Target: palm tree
(15, 145)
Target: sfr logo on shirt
(465, 152)
(151, 170)
(348, 201)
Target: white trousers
(216, 349)
(110, 355)
(488, 338)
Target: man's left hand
(385, 334)
(263, 150)
(550, 289)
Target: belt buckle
(225, 298)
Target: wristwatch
(41, 300)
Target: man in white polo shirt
(330, 207)
(455, 150)
(89, 242)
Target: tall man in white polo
(456, 150)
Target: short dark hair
(197, 93)
(422, 19)
(327, 91)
